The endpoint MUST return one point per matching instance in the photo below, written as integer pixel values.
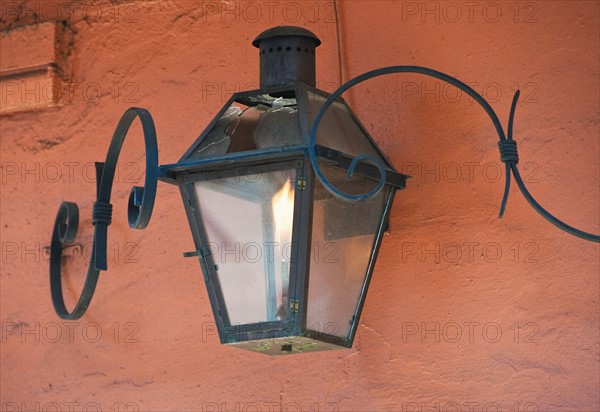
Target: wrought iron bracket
(506, 144)
(139, 211)
(141, 199)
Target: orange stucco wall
(465, 313)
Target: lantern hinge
(294, 304)
(301, 183)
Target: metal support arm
(140, 205)
(506, 144)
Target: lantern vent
(287, 55)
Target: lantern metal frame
(186, 172)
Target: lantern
(286, 263)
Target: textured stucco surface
(465, 311)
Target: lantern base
(286, 345)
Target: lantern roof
(255, 125)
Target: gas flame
(283, 213)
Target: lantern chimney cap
(287, 56)
(285, 31)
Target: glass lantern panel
(242, 128)
(248, 222)
(343, 237)
(339, 129)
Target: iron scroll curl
(140, 206)
(507, 146)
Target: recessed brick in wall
(33, 66)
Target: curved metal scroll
(140, 205)
(508, 146)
